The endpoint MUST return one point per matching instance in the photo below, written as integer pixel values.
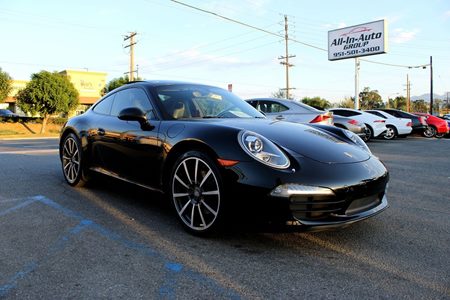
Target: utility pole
(408, 94)
(286, 57)
(357, 82)
(431, 85)
(131, 45)
(447, 100)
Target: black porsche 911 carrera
(207, 149)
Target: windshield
(187, 101)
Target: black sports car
(208, 150)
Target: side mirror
(135, 114)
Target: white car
(375, 126)
(395, 126)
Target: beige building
(89, 86)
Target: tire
(439, 135)
(429, 132)
(390, 133)
(368, 135)
(72, 161)
(196, 192)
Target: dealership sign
(360, 40)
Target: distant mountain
(426, 97)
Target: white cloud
(400, 35)
(447, 14)
(231, 9)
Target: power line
(281, 36)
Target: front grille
(346, 201)
(313, 208)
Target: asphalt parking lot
(113, 240)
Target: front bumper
(322, 208)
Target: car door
(128, 150)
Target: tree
(5, 85)
(115, 83)
(370, 99)
(419, 106)
(437, 105)
(281, 93)
(398, 102)
(317, 102)
(48, 93)
(348, 102)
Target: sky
(181, 43)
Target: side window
(271, 107)
(340, 112)
(132, 98)
(138, 98)
(378, 114)
(253, 103)
(104, 106)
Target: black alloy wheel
(196, 191)
(368, 134)
(72, 161)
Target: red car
(436, 126)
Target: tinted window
(253, 103)
(376, 114)
(132, 97)
(271, 107)
(393, 113)
(345, 113)
(104, 106)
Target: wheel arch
(371, 130)
(80, 136)
(177, 150)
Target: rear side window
(377, 114)
(345, 113)
(271, 107)
(104, 106)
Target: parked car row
(382, 123)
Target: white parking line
(43, 151)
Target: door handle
(101, 131)
(279, 117)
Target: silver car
(291, 110)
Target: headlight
(356, 140)
(263, 150)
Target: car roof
(286, 102)
(155, 83)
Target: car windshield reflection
(196, 101)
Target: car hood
(305, 140)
